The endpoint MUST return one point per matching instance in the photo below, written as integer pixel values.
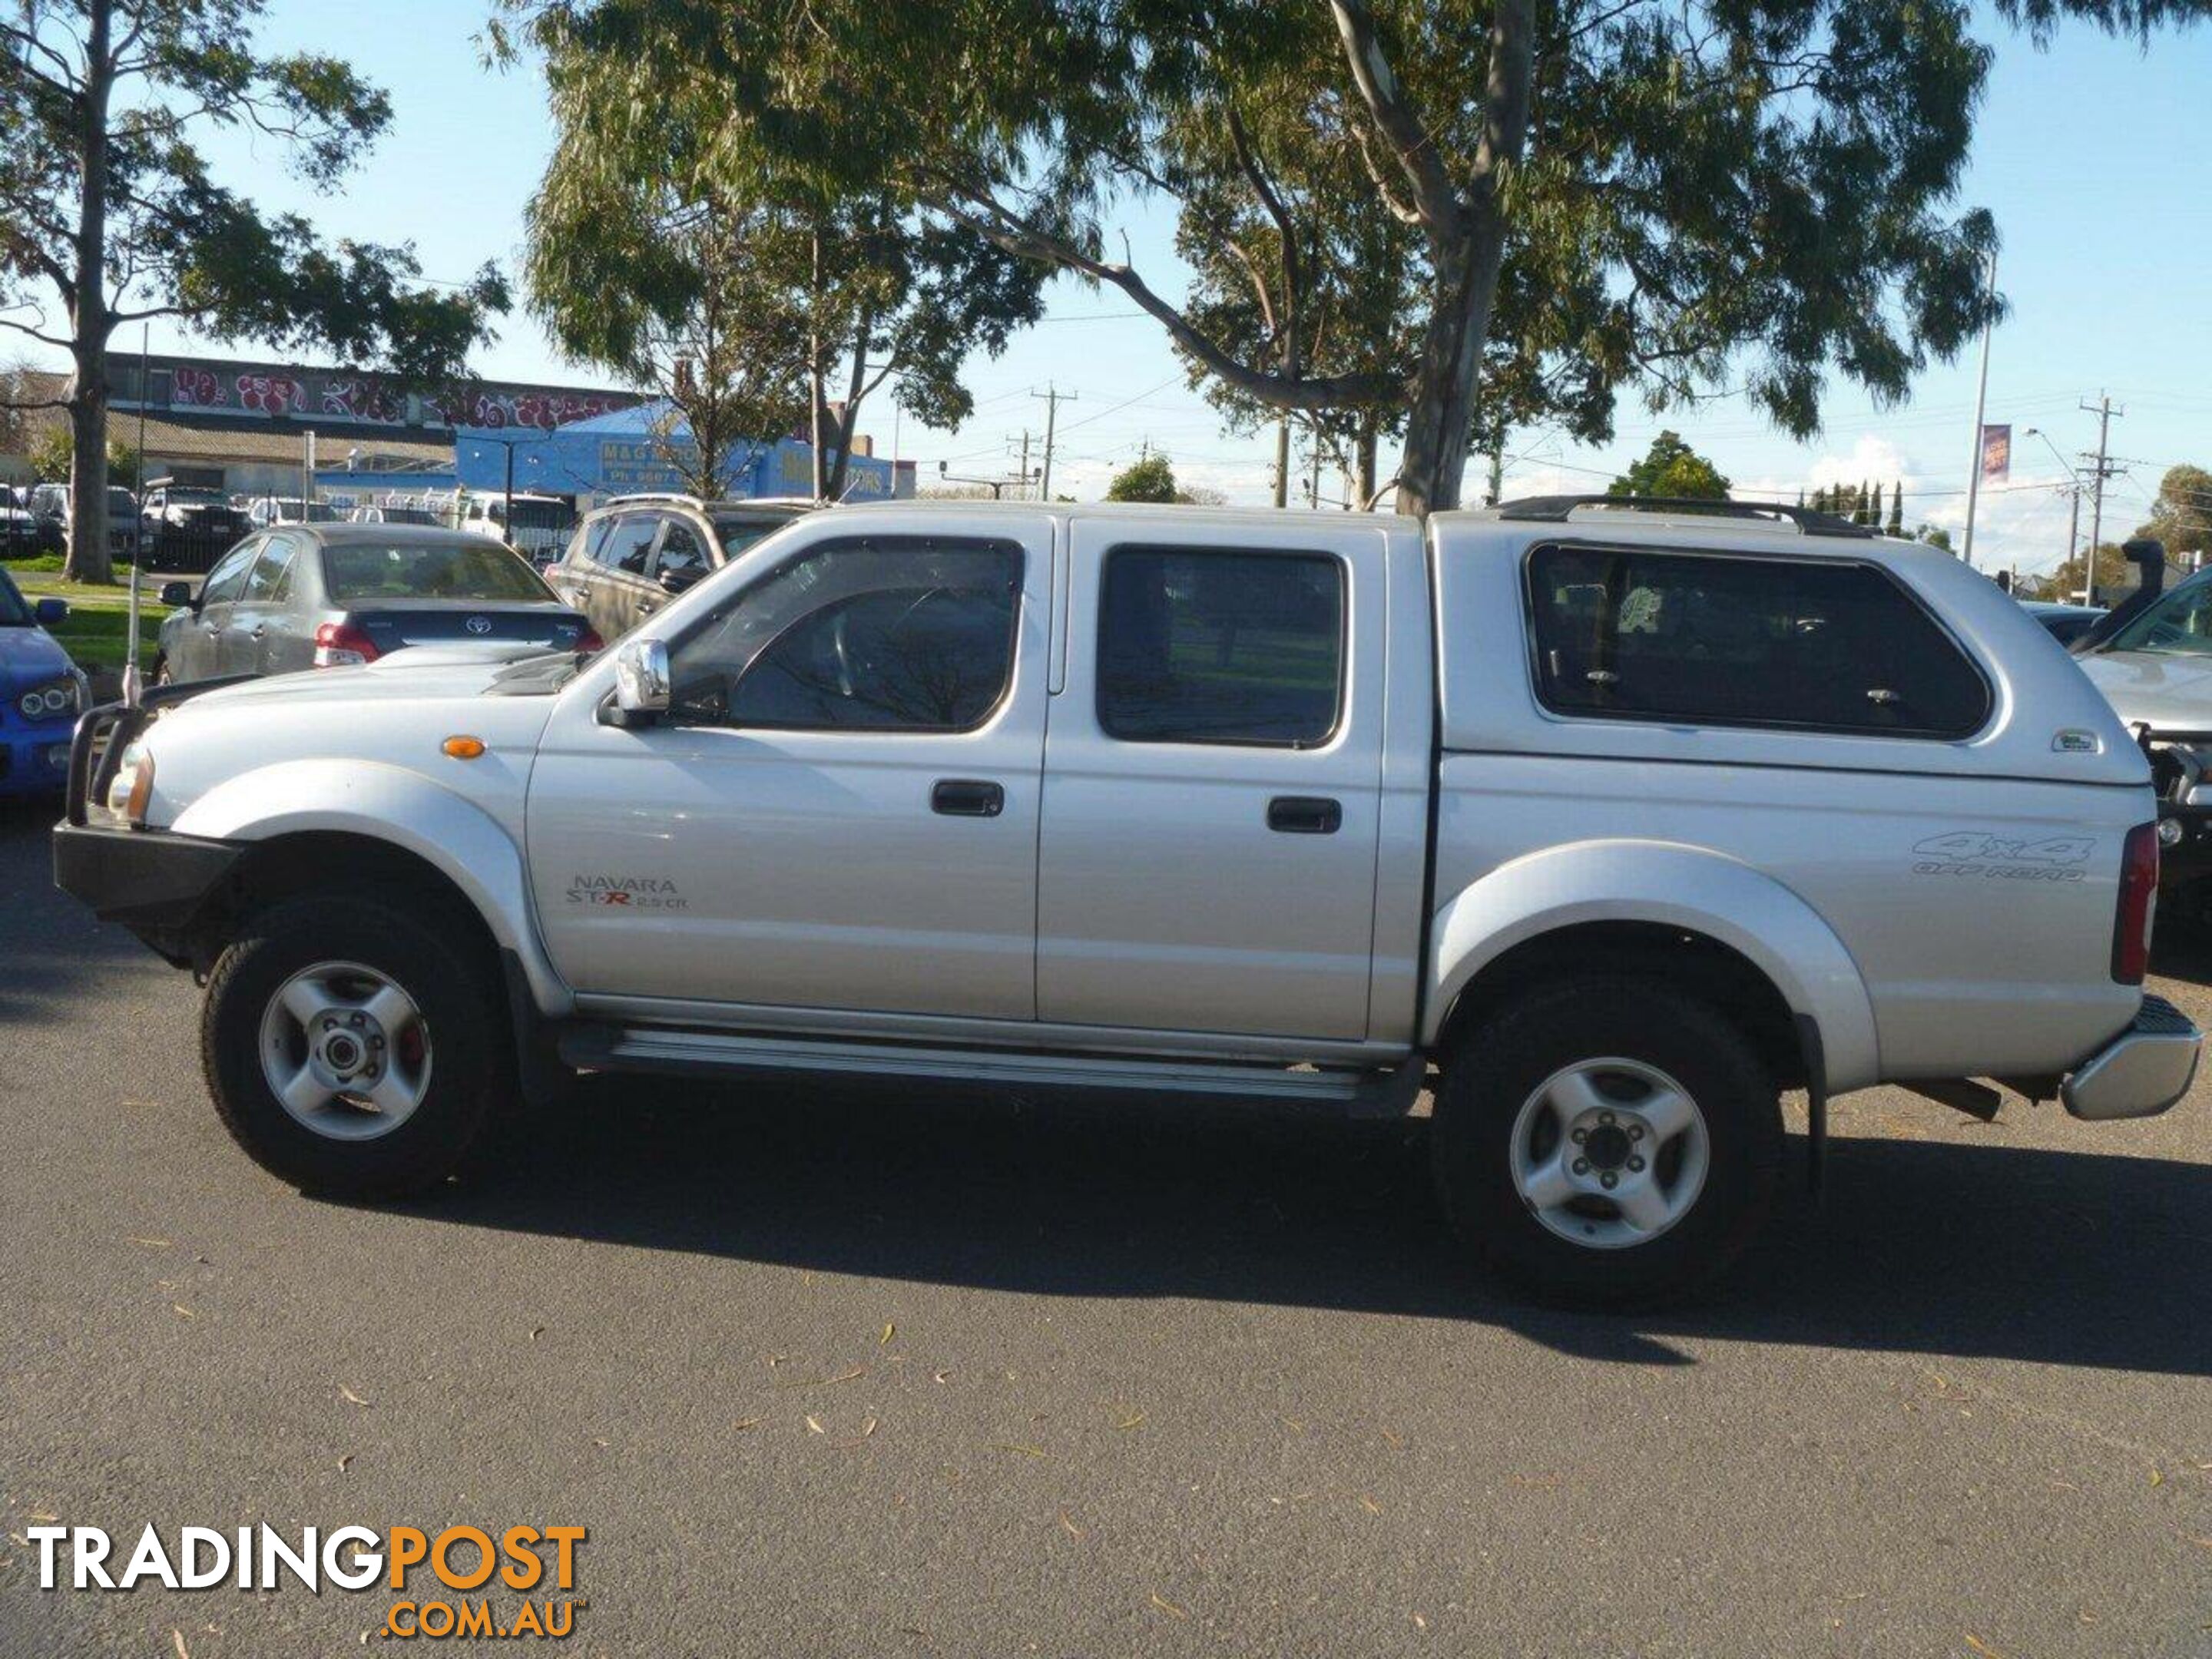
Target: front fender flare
(390, 804)
(1674, 886)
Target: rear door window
(1203, 646)
(629, 546)
(270, 578)
(682, 554)
(1710, 639)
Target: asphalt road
(851, 1374)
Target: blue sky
(2087, 153)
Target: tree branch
(1411, 146)
(988, 218)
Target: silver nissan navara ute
(1604, 821)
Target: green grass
(97, 628)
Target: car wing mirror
(641, 684)
(50, 611)
(177, 593)
(678, 580)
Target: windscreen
(540, 515)
(414, 570)
(2180, 624)
(14, 613)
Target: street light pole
(2073, 488)
(1981, 410)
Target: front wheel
(1607, 1142)
(355, 1048)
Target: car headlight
(132, 787)
(53, 700)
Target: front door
(200, 644)
(840, 810)
(1213, 782)
(259, 609)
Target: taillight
(340, 643)
(591, 641)
(2138, 893)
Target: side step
(672, 1051)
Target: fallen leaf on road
(537, 1331)
(824, 1381)
(1168, 1606)
(889, 1331)
(351, 1396)
(2156, 1478)
(343, 1461)
(49, 1516)
(150, 1243)
(1394, 1439)
(866, 1429)
(814, 1424)
(1982, 1647)
(183, 1310)
(1420, 1623)
(744, 1423)
(940, 1376)
(1135, 1420)
(1369, 1505)
(178, 1636)
(1069, 1526)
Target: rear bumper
(2140, 1072)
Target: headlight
(53, 700)
(133, 785)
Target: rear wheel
(1607, 1141)
(355, 1048)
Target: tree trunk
(90, 323)
(1362, 477)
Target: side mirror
(176, 593)
(642, 683)
(676, 581)
(50, 611)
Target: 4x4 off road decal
(2000, 858)
(636, 892)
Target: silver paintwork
(1609, 1153)
(345, 1051)
(641, 677)
(2140, 1075)
(1129, 899)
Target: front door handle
(1305, 815)
(968, 797)
(261, 631)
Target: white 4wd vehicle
(1623, 821)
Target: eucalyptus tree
(110, 213)
(657, 228)
(1648, 196)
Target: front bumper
(157, 884)
(33, 762)
(2140, 1072)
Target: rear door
(621, 585)
(1213, 782)
(243, 646)
(199, 652)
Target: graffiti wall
(341, 399)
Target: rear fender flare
(1692, 888)
(390, 804)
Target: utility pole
(1054, 397)
(1981, 411)
(1283, 460)
(1025, 459)
(1496, 472)
(1313, 489)
(2103, 410)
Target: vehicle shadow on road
(1919, 1246)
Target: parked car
(269, 510)
(42, 693)
(26, 534)
(2157, 669)
(1622, 820)
(375, 514)
(2068, 624)
(538, 530)
(54, 503)
(188, 528)
(632, 555)
(320, 596)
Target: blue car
(41, 694)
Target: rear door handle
(1305, 815)
(968, 797)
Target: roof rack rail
(1556, 509)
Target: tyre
(356, 1047)
(1606, 1142)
